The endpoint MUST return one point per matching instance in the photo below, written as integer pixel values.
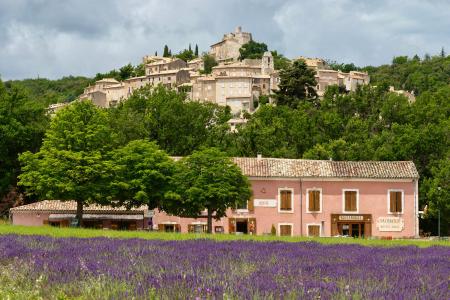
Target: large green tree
(207, 180)
(72, 163)
(297, 84)
(178, 126)
(252, 50)
(142, 174)
(22, 125)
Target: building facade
(228, 48)
(318, 198)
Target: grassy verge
(89, 233)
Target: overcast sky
(55, 38)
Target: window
(285, 197)
(313, 230)
(314, 200)
(350, 201)
(285, 229)
(242, 206)
(395, 201)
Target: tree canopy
(72, 162)
(207, 180)
(297, 83)
(252, 50)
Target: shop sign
(390, 224)
(265, 202)
(351, 218)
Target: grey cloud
(82, 37)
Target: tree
(72, 162)
(190, 48)
(279, 61)
(178, 126)
(126, 72)
(196, 50)
(209, 62)
(156, 53)
(166, 51)
(209, 180)
(186, 55)
(442, 52)
(438, 192)
(297, 83)
(23, 122)
(142, 174)
(252, 50)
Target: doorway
(242, 226)
(355, 230)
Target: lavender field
(38, 267)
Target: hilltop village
(232, 82)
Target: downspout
(301, 207)
(416, 208)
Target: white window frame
(307, 201)
(279, 201)
(357, 201)
(243, 210)
(389, 201)
(289, 224)
(314, 224)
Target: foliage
(297, 84)
(165, 116)
(209, 62)
(46, 92)
(252, 50)
(343, 67)
(22, 125)
(280, 61)
(142, 174)
(124, 72)
(36, 267)
(207, 180)
(413, 74)
(166, 51)
(71, 163)
(186, 55)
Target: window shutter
(250, 205)
(177, 228)
(190, 228)
(288, 200)
(354, 201)
(160, 227)
(45, 222)
(313, 230)
(347, 201)
(399, 202)
(311, 201)
(392, 201)
(231, 227)
(317, 200)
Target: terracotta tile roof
(276, 167)
(71, 206)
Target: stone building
(228, 48)
(237, 84)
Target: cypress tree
(190, 49)
(196, 50)
(166, 51)
(156, 53)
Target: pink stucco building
(319, 198)
(290, 197)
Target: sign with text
(390, 224)
(265, 202)
(351, 218)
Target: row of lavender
(207, 269)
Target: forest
(368, 124)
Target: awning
(56, 217)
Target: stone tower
(267, 66)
